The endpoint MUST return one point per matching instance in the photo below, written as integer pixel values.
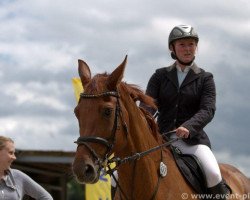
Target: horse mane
(137, 94)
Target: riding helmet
(182, 31)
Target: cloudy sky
(40, 42)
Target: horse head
(99, 117)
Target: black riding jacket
(192, 105)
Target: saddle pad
(190, 168)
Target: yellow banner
(102, 189)
(78, 89)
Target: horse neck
(142, 173)
(140, 136)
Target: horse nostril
(89, 169)
(85, 172)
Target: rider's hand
(182, 132)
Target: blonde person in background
(14, 184)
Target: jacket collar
(192, 74)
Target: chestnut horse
(110, 121)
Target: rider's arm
(206, 109)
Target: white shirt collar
(186, 69)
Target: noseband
(85, 140)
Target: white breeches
(207, 159)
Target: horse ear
(116, 76)
(84, 72)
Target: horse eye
(107, 112)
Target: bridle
(108, 143)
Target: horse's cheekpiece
(163, 169)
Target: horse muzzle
(85, 171)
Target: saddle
(190, 167)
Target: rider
(185, 95)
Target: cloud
(38, 132)
(40, 42)
(36, 94)
(242, 162)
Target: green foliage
(75, 191)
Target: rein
(137, 156)
(106, 161)
(118, 161)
